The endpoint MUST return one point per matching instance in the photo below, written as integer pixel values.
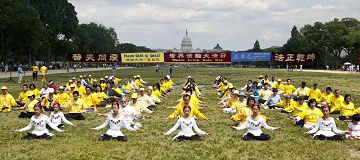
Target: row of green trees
(46, 30)
(335, 41)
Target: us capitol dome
(186, 44)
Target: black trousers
(106, 137)
(333, 138)
(344, 118)
(50, 108)
(192, 138)
(31, 136)
(76, 116)
(59, 126)
(262, 137)
(300, 123)
(26, 114)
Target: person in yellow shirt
(347, 109)
(76, 107)
(138, 106)
(156, 92)
(301, 91)
(90, 100)
(236, 107)
(297, 108)
(72, 89)
(223, 88)
(102, 84)
(29, 106)
(310, 115)
(36, 92)
(152, 96)
(244, 112)
(63, 97)
(23, 96)
(289, 88)
(101, 96)
(279, 86)
(234, 98)
(227, 92)
(193, 113)
(287, 103)
(264, 94)
(7, 101)
(315, 93)
(128, 88)
(43, 71)
(48, 101)
(80, 88)
(35, 70)
(335, 102)
(325, 97)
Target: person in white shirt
(145, 99)
(186, 124)
(325, 128)
(115, 122)
(129, 114)
(273, 100)
(354, 127)
(45, 90)
(254, 123)
(56, 117)
(39, 122)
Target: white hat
(261, 76)
(236, 92)
(167, 76)
(242, 94)
(189, 76)
(89, 75)
(61, 87)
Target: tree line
(46, 30)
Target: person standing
(113, 68)
(210, 72)
(35, 70)
(43, 71)
(20, 73)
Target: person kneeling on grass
(186, 124)
(254, 123)
(115, 121)
(56, 117)
(325, 128)
(39, 121)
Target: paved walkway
(29, 73)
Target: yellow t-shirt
(43, 70)
(347, 109)
(7, 101)
(36, 93)
(336, 102)
(314, 94)
(76, 106)
(289, 88)
(326, 97)
(230, 101)
(47, 101)
(63, 98)
(35, 68)
(90, 100)
(265, 94)
(23, 96)
(30, 105)
(311, 115)
(100, 96)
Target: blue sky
(234, 24)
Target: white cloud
(235, 24)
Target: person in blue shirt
(20, 73)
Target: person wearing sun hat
(29, 106)
(145, 99)
(7, 101)
(137, 105)
(279, 85)
(63, 96)
(227, 95)
(49, 100)
(236, 106)
(234, 98)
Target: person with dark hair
(297, 109)
(347, 108)
(90, 99)
(325, 128)
(102, 97)
(76, 107)
(325, 97)
(39, 121)
(56, 117)
(110, 92)
(194, 111)
(23, 98)
(186, 124)
(115, 122)
(310, 115)
(354, 127)
(302, 90)
(335, 102)
(29, 106)
(62, 96)
(315, 93)
(33, 88)
(254, 123)
(248, 86)
(49, 100)
(288, 87)
(274, 100)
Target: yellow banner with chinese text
(144, 57)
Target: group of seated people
(309, 107)
(85, 95)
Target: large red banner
(294, 57)
(204, 57)
(95, 57)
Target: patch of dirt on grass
(354, 153)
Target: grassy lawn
(81, 143)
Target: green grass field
(81, 143)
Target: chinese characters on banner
(294, 57)
(250, 56)
(142, 57)
(95, 57)
(205, 57)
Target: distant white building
(186, 44)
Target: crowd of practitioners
(309, 108)
(132, 100)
